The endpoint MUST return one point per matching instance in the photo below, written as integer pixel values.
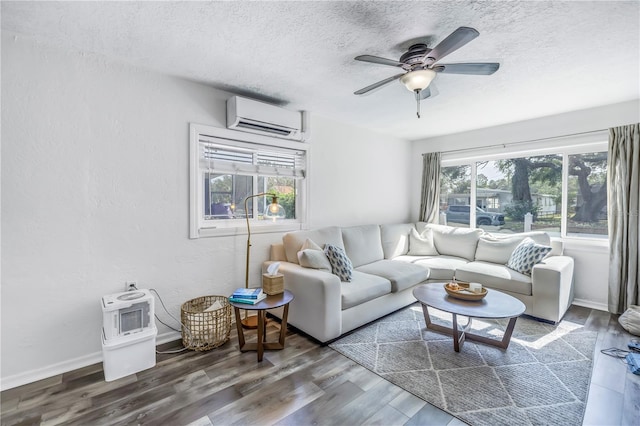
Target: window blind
(216, 157)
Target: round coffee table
(494, 305)
(270, 302)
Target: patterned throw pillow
(526, 255)
(340, 264)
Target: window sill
(242, 230)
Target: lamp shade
(274, 210)
(418, 79)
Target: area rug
(542, 378)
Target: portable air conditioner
(128, 333)
(127, 313)
(264, 119)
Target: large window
(455, 195)
(516, 193)
(587, 194)
(228, 166)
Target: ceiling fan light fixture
(418, 79)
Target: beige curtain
(623, 178)
(430, 197)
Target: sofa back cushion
(452, 241)
(363, 244)
(395, 239)
(293, 241)
(496, 248)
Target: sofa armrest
(552, 287)
(317, 305)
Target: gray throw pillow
(340, 264)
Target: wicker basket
(203, 330)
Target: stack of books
(250, 296)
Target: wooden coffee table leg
(459, 335)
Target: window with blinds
(226, 171)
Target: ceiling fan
(420, 64)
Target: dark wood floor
(304, 384)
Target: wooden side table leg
(283, 324)
(239, 327)
(260, 344)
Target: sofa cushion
(495, 276)
(497, 248)
(441, 267)
(293, 241)
(452, 241)
(526, 255)
(362, 288)
(340, 264)
(402, 275)
(395, 239)
(422, 244)
(312, 256)
(363, 244)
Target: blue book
(247, 293)
(247, 301)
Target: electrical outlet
(130, 285)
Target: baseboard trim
(590, 304)
(69, 365)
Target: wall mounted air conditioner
(258, 117)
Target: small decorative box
(273, 284)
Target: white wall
(591, 259)
(95, 192)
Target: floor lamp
(274, 211)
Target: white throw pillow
(422, 244)
(312, 256)
(526, 255)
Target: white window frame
(198, 226)
(565, 146)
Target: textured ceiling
(555, 56)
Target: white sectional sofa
(390, 260)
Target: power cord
(621, 354)
(167, 325)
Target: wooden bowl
(464, 293)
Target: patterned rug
(542, 378)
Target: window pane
(587, 195)
(225, 194)
(284, 188)
(455, 194)
(493, 193)
(516, 187)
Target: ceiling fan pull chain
(417, 103)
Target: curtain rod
(505, 145)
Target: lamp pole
(250, 322)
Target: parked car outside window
(460, 214)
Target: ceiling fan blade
(378, 60)
(377, 85)
(480, 68)
(454, 41)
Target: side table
(271, 302)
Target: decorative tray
(463, 292)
